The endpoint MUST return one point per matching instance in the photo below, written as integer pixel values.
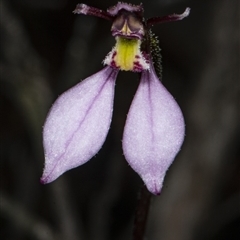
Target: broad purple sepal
(137, 9)
(78, 123)
(154, 131)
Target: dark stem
(141, 214)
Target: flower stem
(141, 214)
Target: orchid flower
(78, 122)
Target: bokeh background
(45, 49)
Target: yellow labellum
(127, 56)
(127, 50)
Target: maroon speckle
(113, 64)
(137, 64)
(114, 54)
(137, 67)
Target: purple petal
(126, 6)
(154, 131)
(78, 123)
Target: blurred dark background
(45, 49)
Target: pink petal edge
(154, 131)
(78, 123)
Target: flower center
(127, 56)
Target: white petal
(78, 123)
(154, 131)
